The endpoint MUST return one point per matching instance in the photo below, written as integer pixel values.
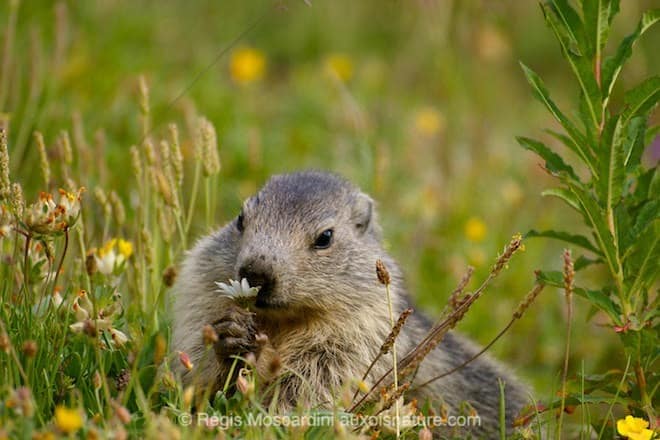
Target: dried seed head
(166, 223)
(17, 200)
(90, 264)
(144, 95)
(185, 360)
(176, 154)
(169, 276)
(43, 157)
(382, 273)
(528, 300)
(4, 165)
(5, 343)
(30, 348)
(97, 381)
(150, 152)
(389, 341)
(209, 144)
(123, 378)
(122, 413)
(136, 163)
(117, 208)
(160, 349)
(209, 335)
(145, 235)
(65, 146)
(503, 259)
(102, 199)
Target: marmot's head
(310, 240)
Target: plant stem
(394, 365)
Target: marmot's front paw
(236, 334)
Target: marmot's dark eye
(239, 223)
(324, 239)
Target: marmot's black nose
(258, 274)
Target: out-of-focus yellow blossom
(339, 65)
(67, 420)
(475, 229)
(429, 122)
(47, 217)
(634, 428)
(247, 65)
(112, 255)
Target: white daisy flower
(238, 291)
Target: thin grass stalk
(569, 274)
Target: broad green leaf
(601, 300)
(596, 218)
(611, 170)
(578, 240)
(613, 65)
(641, 99)
(597, 20)
(566, 196)
(541, 93)
(644, 262)
(581, 150)
(624, 227)
(582, 68)
(553, 162)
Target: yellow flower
(339, 65)
(475, 229)
(634, 428)
(247, 65)
(125, 248)
(67, 420)
(429, 122)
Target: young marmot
(310, 240)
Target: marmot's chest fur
(310, 241)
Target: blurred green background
(418, 102)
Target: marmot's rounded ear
(363, 215)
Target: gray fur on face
(323, 309)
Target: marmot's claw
(236, 335)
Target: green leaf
(595, 218)
(578, 240)
(613, 65)
(541, 93)
(597, 20)
(553, 162)
(611, 170)
(633, 146)
(601, 300)
(641, 99)
(650, 211)
(583, 262)
(572, 24)
(579, 149)
(551, 278)
(644, 262)
(582, 68)
(565, 195)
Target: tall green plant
(619, 199)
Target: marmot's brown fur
(311, 241)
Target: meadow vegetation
(129, 129)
